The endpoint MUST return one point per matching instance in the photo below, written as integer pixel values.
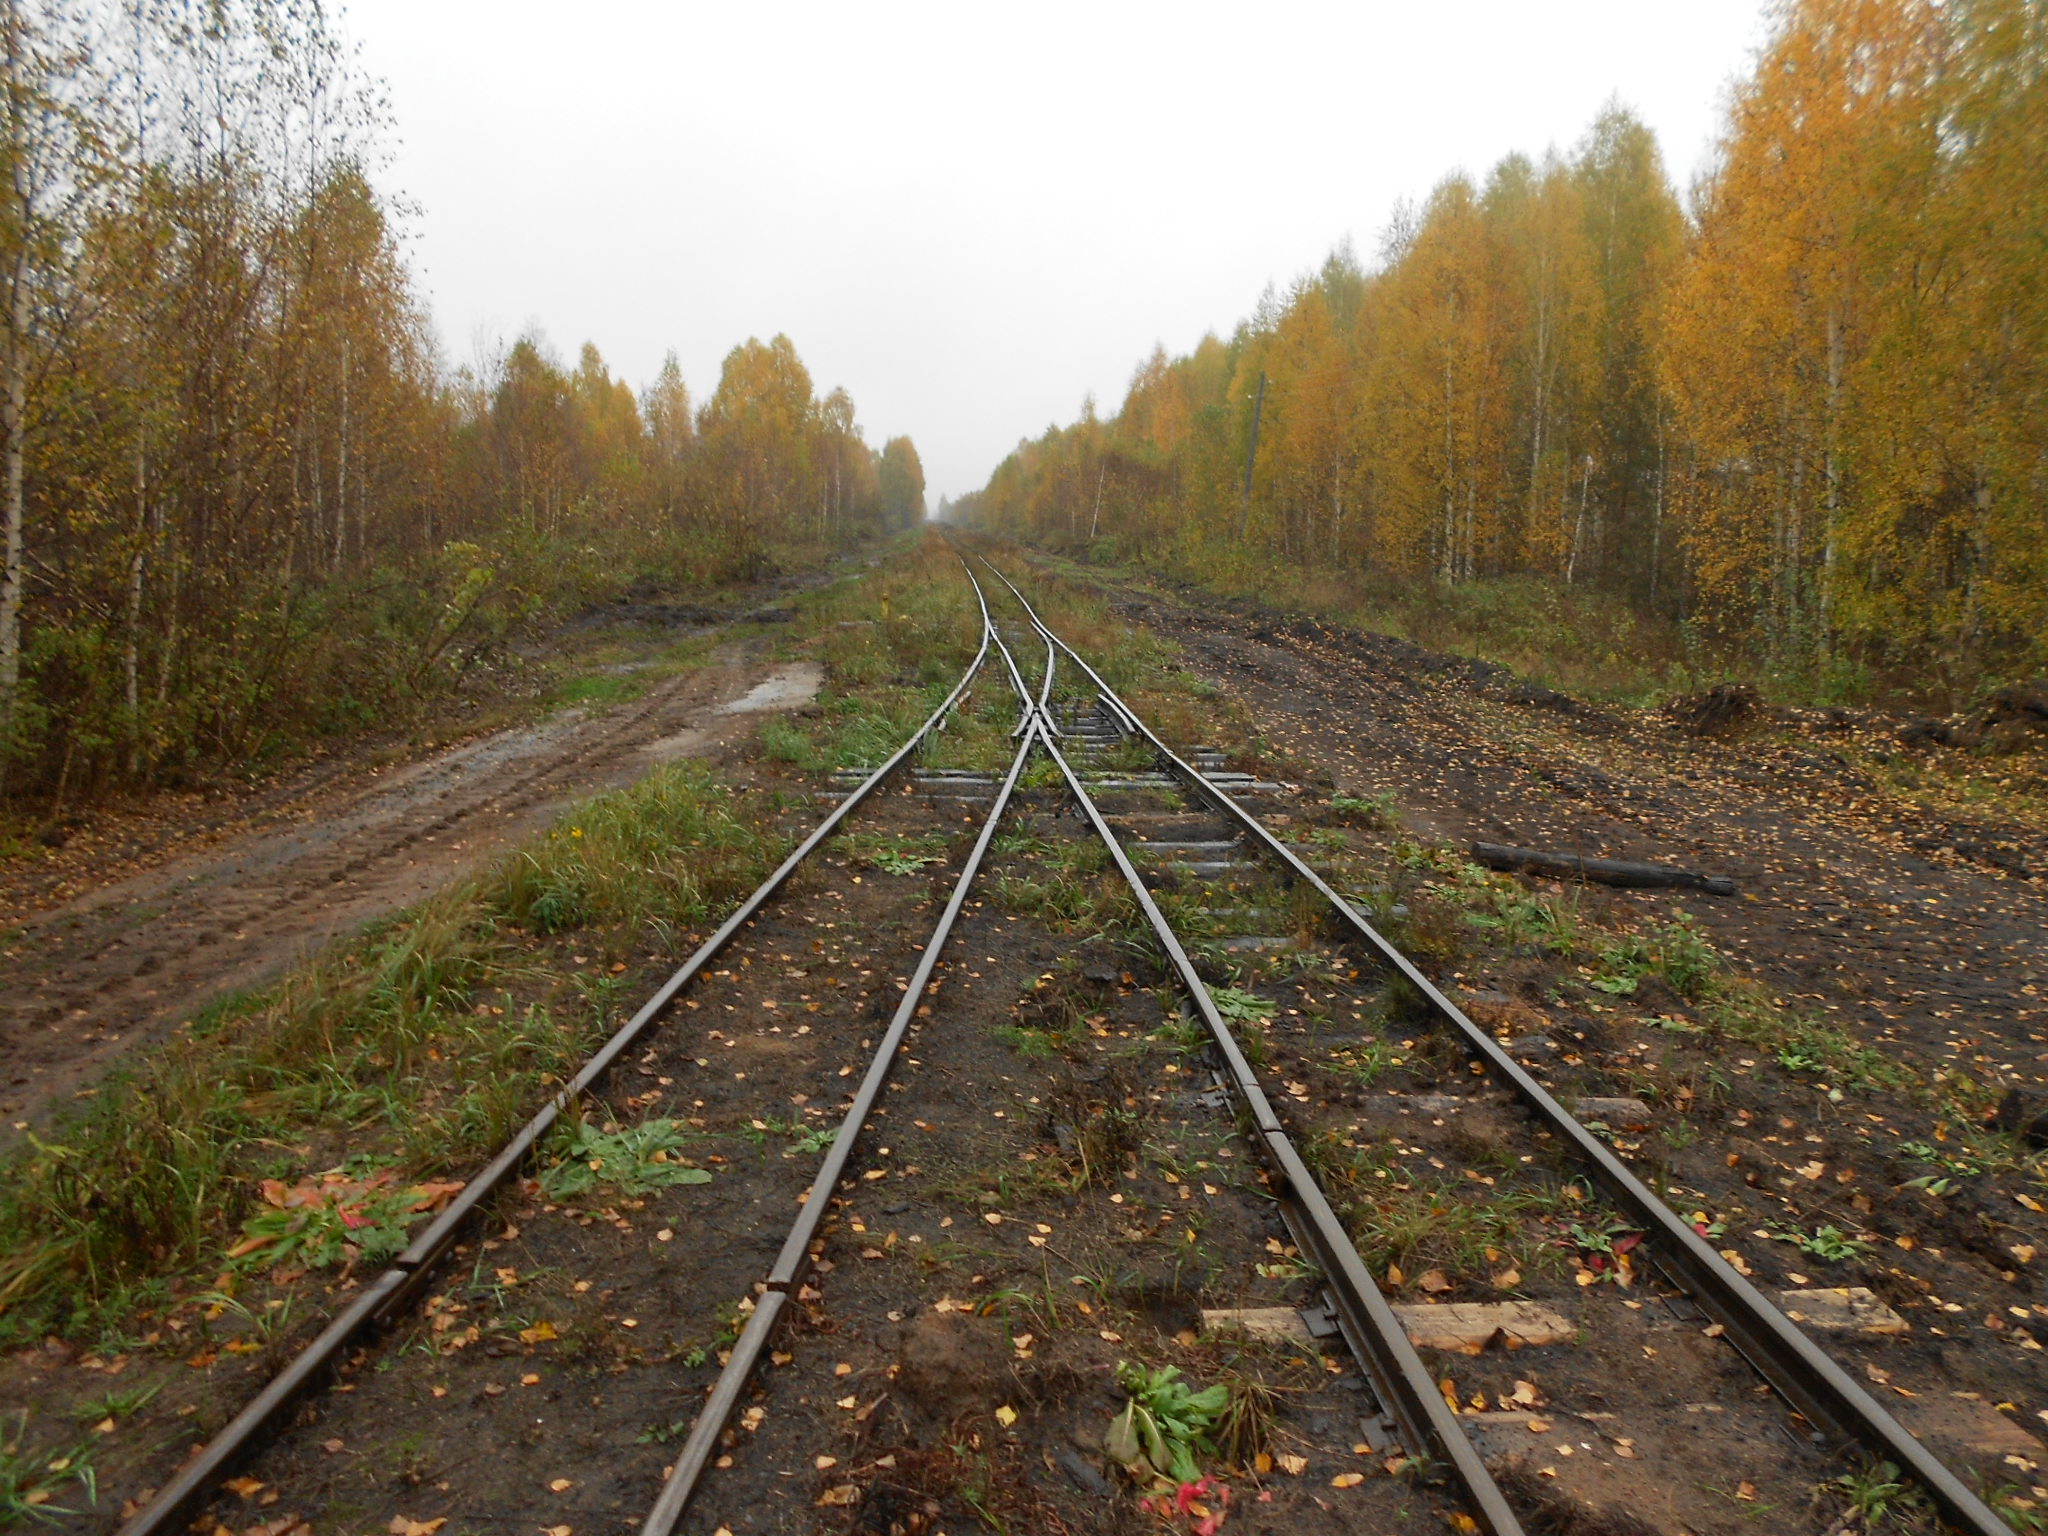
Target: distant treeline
(243, 498)
(1805, 413)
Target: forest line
(245, 500)
(1800, 412)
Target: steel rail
(398, 1286)
(793, 1264)
(1802, 1373)
(1374, 1334)
(1399, 1378)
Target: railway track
(918, 1362)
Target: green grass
(633, 1159)
(597, 688)
(893, 645)
(410, 1045)
(1742, 1010)
(42, 1483)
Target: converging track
(1811, 1382)
(1190, 861)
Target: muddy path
(123, 964)
(1859, 905)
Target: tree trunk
(1571, 564)
(341, 471)
(131, 648)
(13, 398)
(1831, 495)
(1657, 510)
(1450, 467)
(1621, 872)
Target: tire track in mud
(117, 968)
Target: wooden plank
(1259, 1322)
(1473, 1325)
(1621, 1114)
(1623, 872)
(1469, 1326)
(1842, 1309)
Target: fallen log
(1571, 866)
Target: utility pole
(1251, 459)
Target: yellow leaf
(1347, 1479)
(1006, 1415)
(540, 1333)
(561, 1485)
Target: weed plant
(407, 1039)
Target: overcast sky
(969, 215)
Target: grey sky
(970, 216)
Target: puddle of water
(784, 688)
(682, 744)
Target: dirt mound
(1536, 696)
(2012, 719)
(954, 1363)
(1722, 710)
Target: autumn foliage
(1800, 413)
(245, 499)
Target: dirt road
(1888, 921)
(122, 965)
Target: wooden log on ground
(1625, 872)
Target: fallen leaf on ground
(1347, 1479)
